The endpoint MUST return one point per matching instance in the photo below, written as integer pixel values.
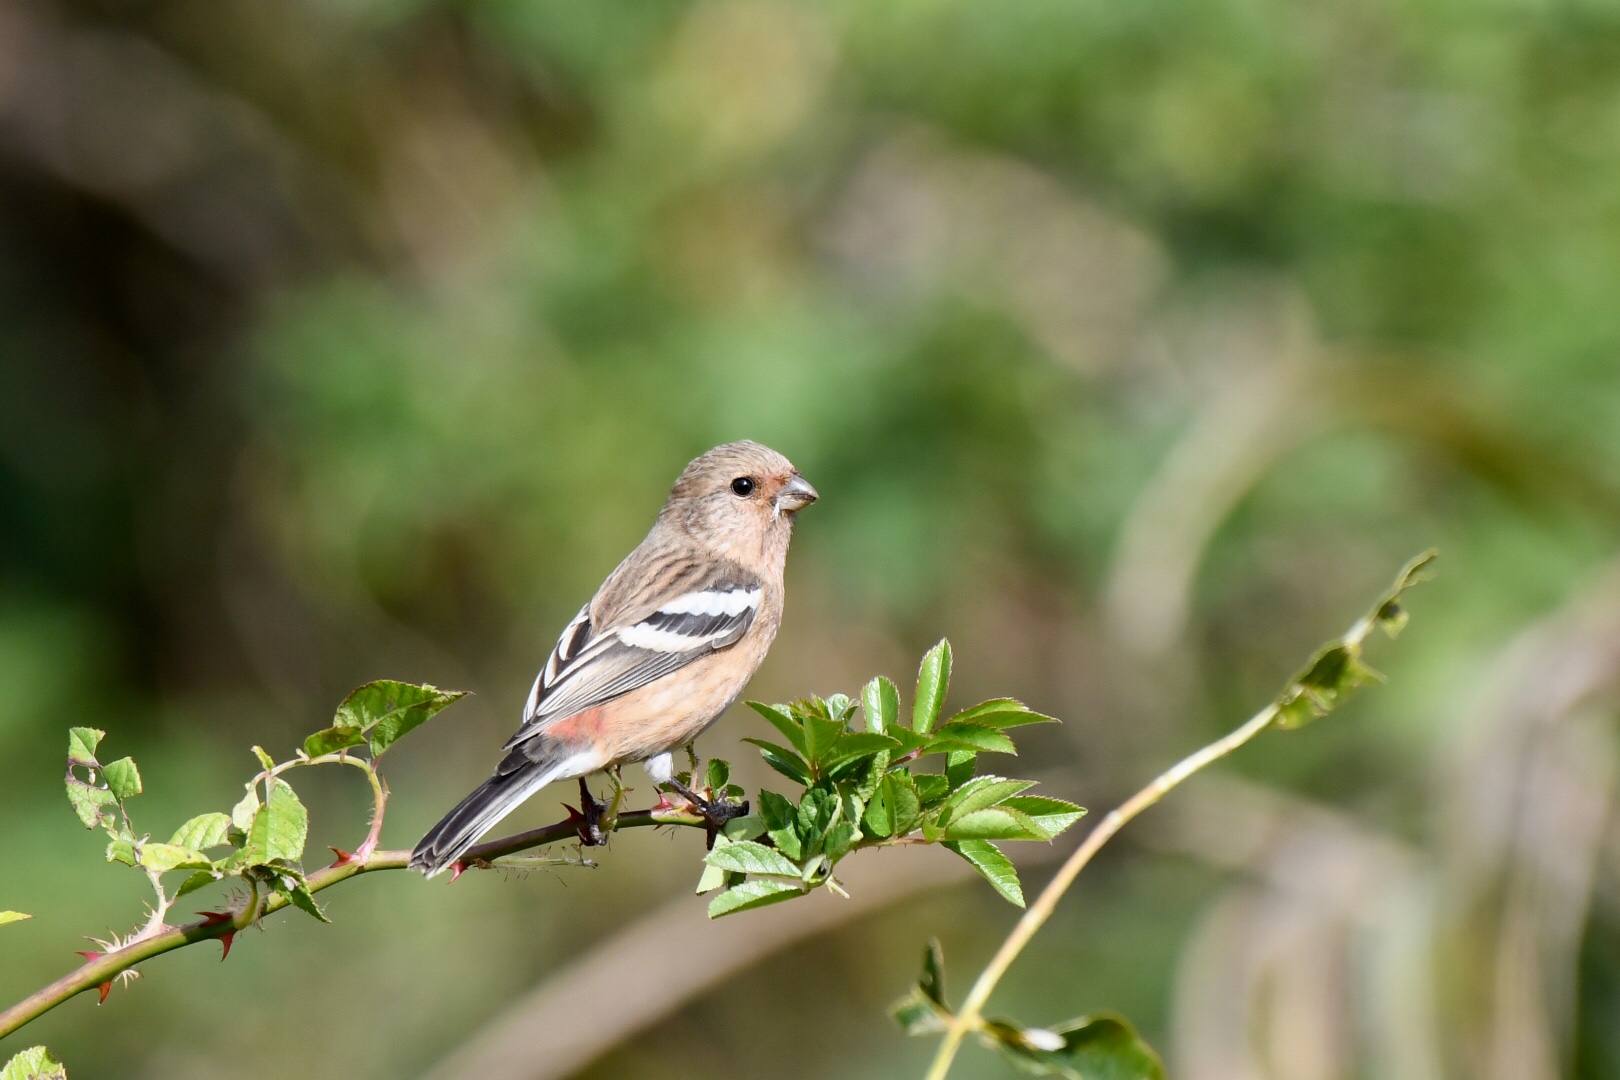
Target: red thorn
(91, 955)
(342, 856)
(106, 988)
(663, 803)
(456, 869)
(225, 939)
(573, 815)
(214, 918)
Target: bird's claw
(714, 812)
(589, 817)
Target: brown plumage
(663, 648)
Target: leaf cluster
(859, 785)
(261, 840)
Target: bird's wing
(701, 607)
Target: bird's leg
(590, 817)
(611, 818)
(715, 812)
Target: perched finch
(665, 645)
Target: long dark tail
(518, 777)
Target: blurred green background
(1131, 345)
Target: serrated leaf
(907, 741)
(197, 881)
(713, 877)
(746, 827)
(894, 807)
(719, 775)
(12, 916)
(748, 857)
(242, 813)
(121, 851)
(819, 736)
(983, 791)
(783, 760)
(840, 839)
(162, 858)
(933, 681)
(82, 743)
(1052, 815)
(994, 823)
(123, 778)
(203, 832)
(333, 739)
(387, 710)
(916, 1015)
(299, 896)
(880, 703)
(35, 1063)
(966, 735)
(782, 720)
(88, 801)
(959, 766)
(781, 821)
(857, 744)
(1002, 713)
(818, 809)
(931, 788)
(1099, 1047)
(997, 869)
(279, 828)
(752, 894)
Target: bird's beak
(795, 495)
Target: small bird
(662, 649)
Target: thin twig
(219, 925)
(969, 1016)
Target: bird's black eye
(743, 486)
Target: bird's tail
(518, 777)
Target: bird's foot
(714, 812)
(589, 816)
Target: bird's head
(739, 494)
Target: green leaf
(994, 823)
(781, 821)
(747, 857)
(997, 869)
(391, 710)
(121, 851)
(751, 894)
(265, 760)
(279, 828)
(165, 857)
(1099, 1047)
(12, 916)
(857, 744)
(959, 766)
(88, 801)
(983, 791)
(783, 760)
(123, 778)
(907, 740)
(931, 983)
(719, 775)
(35, 1063)
(299, 896)
(931, 788)
(818, 809)
(242, 813)
(82, 743)
(894, 807)
(197, 881)
(203, 832)
(1336, 670)
(840, 839)
(933, 680)
(746, 827)
(880, 702)
(924, 1011)
(966, 735)
(333, 739)
(1052, 815)
(819, 736)
(1002, 713)
(782, 720)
